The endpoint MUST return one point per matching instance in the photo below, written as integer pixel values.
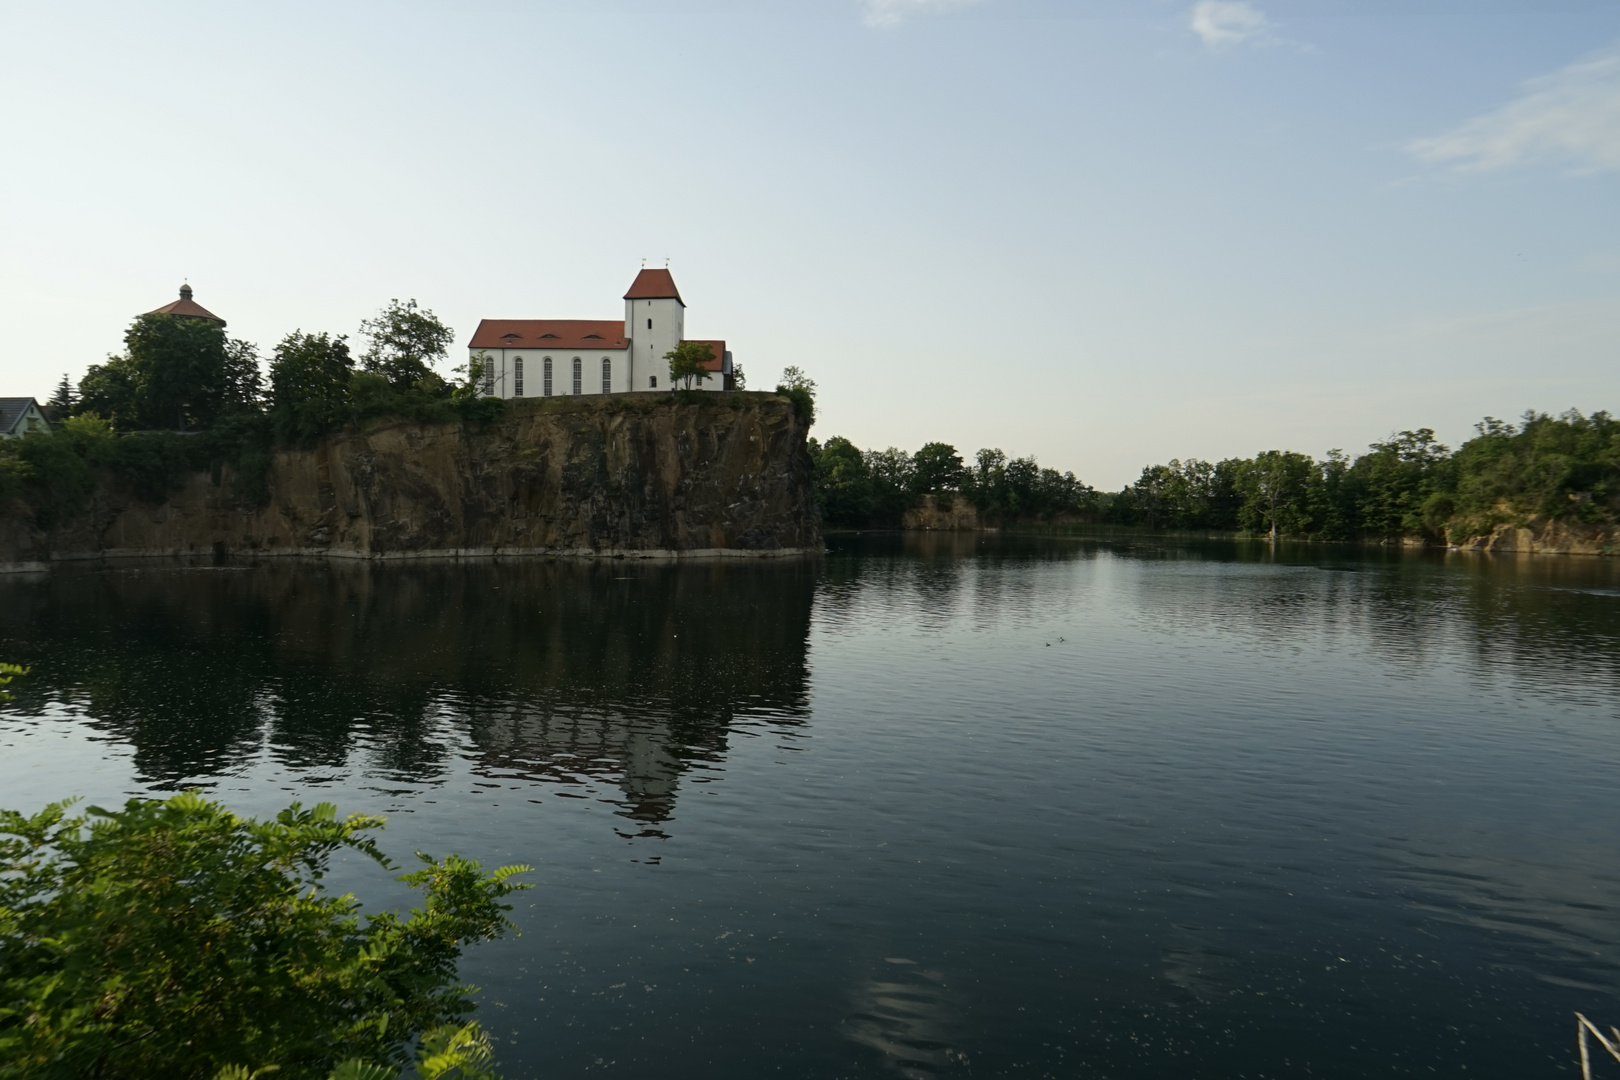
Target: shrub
(173, 938)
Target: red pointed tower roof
(654, 285)
(187, 308)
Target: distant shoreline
(1592, 541)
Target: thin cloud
(1221, 24)
(1572, 115)
(885, 13)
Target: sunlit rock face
(602, 476)
(1540, 536)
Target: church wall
(625, 378)
(562, 371)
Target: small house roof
(12, 411)
(186, 307)
(654, 285)
(559, 334)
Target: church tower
(654, 323)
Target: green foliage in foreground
(175, 939)
(7, 673)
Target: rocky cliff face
(1543, 537)
(722, 474)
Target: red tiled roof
(654, 285)
(719, 348)
(187, 308)
(549, 334)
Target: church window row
(545, 376)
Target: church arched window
(607, 374)
(545, 376)
(517, 377)
(489, 377)
(579, 371)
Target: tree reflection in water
(566, 672)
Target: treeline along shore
(1547, 483)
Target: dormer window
(548, 335)
(593, 337)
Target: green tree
(1189, 494)
(176, 372)
(110, 390)
(1333, 498)
(309, 385)
(60, 406)
(985, 484)
(404, 342)
(1394, 480)
(892, 476)
(1154, 494)
(843, 483)
(936, 469)
(175, 939)
(1275, 488)
(800, 389)
(244, 379)
(689, 360)
(1548, 467)
(179, 367)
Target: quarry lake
(927, 806)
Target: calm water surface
(933, 806)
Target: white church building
(555, 357)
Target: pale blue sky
(1103, 233)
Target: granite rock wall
(632, 475)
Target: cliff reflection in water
(567, 673)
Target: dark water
(932, 807)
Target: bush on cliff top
(56, 473)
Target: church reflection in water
(576, 675)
